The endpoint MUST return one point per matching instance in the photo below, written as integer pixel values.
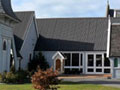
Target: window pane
(99, 60)
(67, 71)
(115, 62)
(67, 61)
(91, 60)
(98, 70)
(107, 71)
(75, 71)
(75, 59)
(81, 59)
(106, 61)
(90, 70)
(4, 45)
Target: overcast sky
(65, 8)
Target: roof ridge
(23, 11)
(28, 25)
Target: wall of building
(115, 67)
(6, 34)
(29, 44)
(49, 54)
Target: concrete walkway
(96, 80)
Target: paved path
(101, 81)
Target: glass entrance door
(94, 63)
(98, 63)
(90, 63)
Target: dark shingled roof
(72, 34)
(6, 5)
(115, 41)
(115, 38)
(21, 28)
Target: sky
(65, 8)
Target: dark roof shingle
(115, 41)
(21, 28)
(72, 34)
(115, 38)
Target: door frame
(56, 64)
(59, 56)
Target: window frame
(4, 45)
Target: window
(81, 60)
(90, 60)
(115, 62)
(106, 61)
(67, 61)
(90, 70)
(67, 71)
(98, 70)
(98, 60)
(107, 71)
(75, 59)
(30, 57)
(4, 45)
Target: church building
(89, 45)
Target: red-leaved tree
(44, 80)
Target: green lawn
(64, 86)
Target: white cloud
(63, 8)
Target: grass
(63, 86)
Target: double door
(95, 64)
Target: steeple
(6, 10)
(108, 8)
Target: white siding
(28, 45)
(49, 54)
(6, 33)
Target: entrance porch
(82, 63)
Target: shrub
(0, 78)
(4, 77)
(38, 60)
(10, 78)
(43, 80)
(22, 76)
(12, 69)
(16, 77)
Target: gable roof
(7, 9)
(115, 38)
(115, 41)
(21, 28)
(72, 34)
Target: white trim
(72, 67)
(108, 38)
(58, 53)
(61, 58)
(115, 23)
(27, 31)
(75, 67)
(94, 67)
(36, 26)
(115, 13)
